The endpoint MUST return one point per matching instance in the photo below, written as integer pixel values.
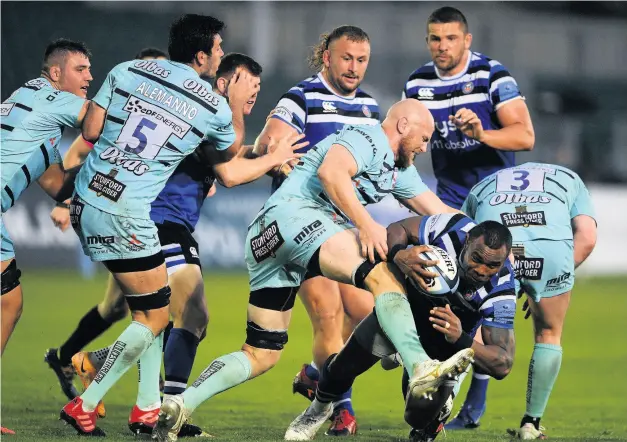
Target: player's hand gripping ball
(447, 280)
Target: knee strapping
(10, 278)
(361, 273)
(150, 301)
(259, 337)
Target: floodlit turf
(589, 401)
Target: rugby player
(549, 212)
(146, 118)
(305, 227)
(445, 324)
(319, 106)
(33, 118)
(481, 120)
(175, 211)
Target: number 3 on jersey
(148, 128)
(522, 180)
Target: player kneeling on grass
(304, 228)
(445, 322)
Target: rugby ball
(447, 280)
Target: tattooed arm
(495, 356)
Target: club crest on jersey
(366, 110)
(468, 87)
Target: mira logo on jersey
(559, 283)
(522, 218)
(310, 233)
(107, 186)
(267, 242)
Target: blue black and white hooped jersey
(460, 162)
(312, 108)
(158, 112)
(33, 119)
(495, 302)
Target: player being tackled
(445, 323)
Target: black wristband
(464, 341)
(62, 204)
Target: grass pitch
(589, 401)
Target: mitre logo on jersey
(425, 93)
(328, 107)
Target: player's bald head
(414, 111)
(409, 126)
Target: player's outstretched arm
(584, 237)
(241, 170)
(427, 203)
(58, 182)
(93, 122)
(335, 174)
(274, 129)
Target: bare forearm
(238, 126)
(492, 360)
(339, 187)
(242, 170)
(515, 137)
(583, 248)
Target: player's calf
(11, 300)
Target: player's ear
(467, 40)
(326, 58)
(402, 125)
(222, 84)
(55, 72)
(200, 58)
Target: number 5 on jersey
(148, 128)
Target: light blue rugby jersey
(376, 175)
(158, 112)
(535, 200)
(460, 162)
(32, 119)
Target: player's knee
(549, 336)
(259, 337)
(10, 278)
(261, 359)
(114, 311)
(377, 278)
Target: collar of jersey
(188, 68)
(325, 84)
(454, 77)
(46, 80)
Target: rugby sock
(125, 352)
(225, 372)
(345, 402)
(149, 367)
(166, 334)
(179, 355)
(543, 370)
(89, 328)
(476, 397)
(396, 320)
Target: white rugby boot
(528, 432)
(172, 416)
(307, 424)
(429, 375)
